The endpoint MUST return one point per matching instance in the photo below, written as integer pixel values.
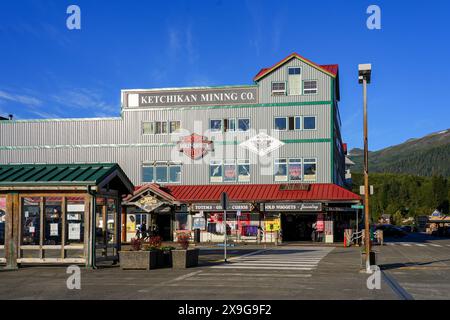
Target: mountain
(418, 156)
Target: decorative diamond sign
(262, 144)
(148, 203)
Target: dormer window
(278, 88)
(295, 81)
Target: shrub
(183, 239)
(136, 244)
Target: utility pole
(364, 78)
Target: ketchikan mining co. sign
(193, 97)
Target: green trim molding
(138, 145)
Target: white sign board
(75, 208)
(53, 229)
(361, 190)
(74, 231)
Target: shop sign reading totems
(192, 97)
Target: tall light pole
(364, 72)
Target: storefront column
(12, 230)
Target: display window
(31, 220)
(2, 220)
(295, 169)
(181, 221)
(75, 220)
(111, 220)
(53, 221)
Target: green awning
(61, 174)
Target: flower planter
(182, 259)
(143, 260)
(166, 258)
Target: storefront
(267, 213)
(61, 213)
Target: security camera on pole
(364, 73)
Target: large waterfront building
(275, 146)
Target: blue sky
(48, 71)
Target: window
(243, 168)
(147, 173)
(243, 124)
(181, 221)
(31, 221)
(2, 220)
(215, 171)
(298, 123)
(309, 169)
(229, 124)
(229, 171)
(160, 127)
(310, 87)
(295, 81)
(75, 220)
(161, 173)
(175, 173)
(295, 169)
(215, 125)
(147, 128)
(280, 170)
(278, 88)
(281, 123)
(53, 221)
(174, 126)
(309, 123)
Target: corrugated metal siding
(127, 130)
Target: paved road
(419, 263)
(291, 272)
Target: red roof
(259, 192)
(331, 69)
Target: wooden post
(42, 227)
(11, 231)
(88, 238)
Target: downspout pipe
(92, 254)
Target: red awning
(260, 192)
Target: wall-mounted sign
(272, 224)
(193, 97)
(148, 203)
(295, 186)
(75, 208)
(195, 146)
(74, 231)
(199, 223)
(303, 206)
(218, 207)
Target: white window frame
(303, 168)
(277, 161)
(249, 124)
(229, 162)
(245, 162)
(280, 117)
(278, 92)
(215, 130)
(176, 131)
(295, 123)
(301, 82)
(161, 164)
(217, 163)
(315, 122)
(160, 121)
(228, 120)
(148, 165)
(172, 165)
(300, 162)
(310, 93)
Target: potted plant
(184, 257)
(139, 257)
(154, 245)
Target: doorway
(163, 222)
(297, 227)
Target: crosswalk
(416, 244)
(298, 259)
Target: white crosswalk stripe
(289, 258)
(405, 244)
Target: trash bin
(197, 235)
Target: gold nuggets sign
(194, 97)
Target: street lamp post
(364, 73)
